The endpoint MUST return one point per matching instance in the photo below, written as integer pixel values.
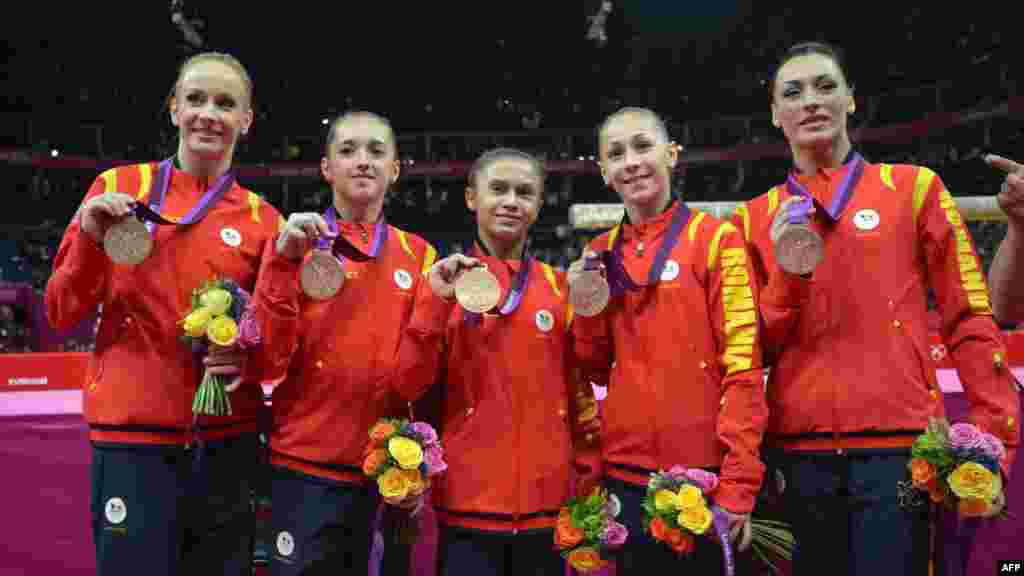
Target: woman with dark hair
(845, 252)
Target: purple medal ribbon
(798, 212)
(619, 281)
(158, 193)
(342, 248)
(515, 295)
(721, 524)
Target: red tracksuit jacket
(685, 384)
(336, 356)
(513, 414)
(850, 347)
(141, 378)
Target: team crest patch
(671, 271)
(866, 219)
(403, 279)
(285, 544)
(231, 237)
(115, 510)
(545, 321)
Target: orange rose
(585, 559)
(567, 535)
(380, 432)
(921, 471)
(680, 541)
(972, 507)
(658, 529)
(374, 460)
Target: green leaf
(761, 555)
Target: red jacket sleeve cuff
(736, 498)
(88, 258)
(787, 290)
(430, 311)
(282, 283)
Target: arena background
(86, 82)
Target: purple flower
(613, 507)
(964, 437)
(242, 295)
(425, 432)
(434, 457)
(614, 534)
(993, 446)
(706, 481)
(248, 330)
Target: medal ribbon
(798, 212)
(515, 295)
(619, 281)
(158, 193)
(342, 248)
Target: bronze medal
(128, 242)
(589, 293)
(477, 290)
(322, 275)
(799, 249)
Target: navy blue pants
(157, 511)
(463, 552)
(320, 526)
(846, 516)
(642, 554)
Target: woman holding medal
(670, 323)
(336, 292)
(844, 305)
(514, 419)
(170, 494)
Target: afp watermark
(1010, 567)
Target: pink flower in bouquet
(434, 457)
(614, 534)
(706, 481)
(425, 432)
(677, 473)
(249, 329)
(964, 436)
(993, 446)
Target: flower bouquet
(221, 315)
(957, 466)
(676, 510)
(401, 458)
(586, 530)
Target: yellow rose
(393, 484)
(222, 331)
(415, 481)
(195, 323)
(406, 452)
(217, 300)
(695, 520)
(690, 497)
(665, 500)
(972, 480)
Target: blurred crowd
(553, 123)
